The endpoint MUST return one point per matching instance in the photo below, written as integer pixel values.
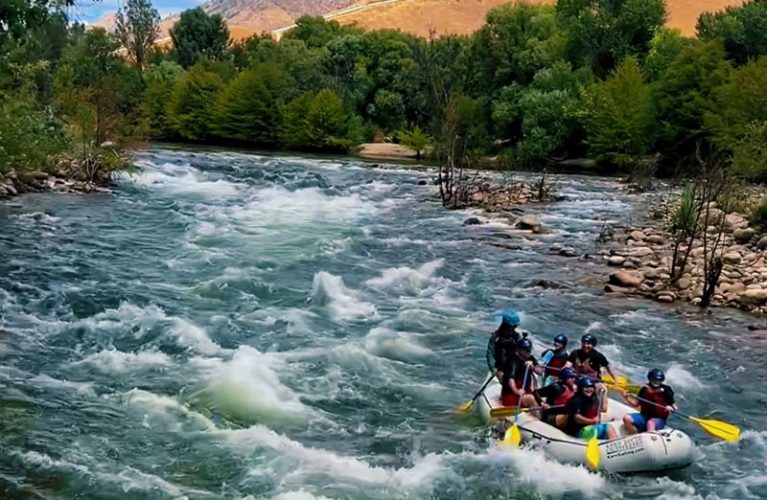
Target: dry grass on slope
(466, 16)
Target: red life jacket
(652, 411)
(563, 398)
(556, 364)
(592, 411)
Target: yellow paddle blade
(592, 453)
(512, 436)
(717, 428)
(464, 408)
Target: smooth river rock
(743, 235)
(532, 222)
(754, 297)
(733, 258)
(631, 279)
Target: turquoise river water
(232, 325)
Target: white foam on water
(138, 321)
(128, 480)
(306, 461)
(277, 206)
(399, 346)
(593, 326)
(412, 280)
(182, 179)
(85, 388)
(298, 495)
(677, 376)
(676, 490)
(637, 316)
(329, 290)
(165, 412)
(547, 476)
(114, 361)
(248, 389)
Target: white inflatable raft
(662, 450)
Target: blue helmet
(561, 339)
(589, 339)
(525, 344)
(584, 382)
(510, 316)
(656, 375)
(567, 373)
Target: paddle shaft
(487, 382)
(524, 384)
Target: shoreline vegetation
(537, 88)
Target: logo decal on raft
(624, 447)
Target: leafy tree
(191, 106)
(743, 29)
(198, 35)
(18, 17)
(250, 107)
(137, 29)
(316, 32)
(388, 110)
(517, 41)
(618, 116)
(319, 121)
(665, 46)
(540, 119)
(738, 119)
(683, 95)
(603, 32)
(93, 80)
(160, 80)
(749, 153)
(28, 136)
(415, 139)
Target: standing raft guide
(570, 413)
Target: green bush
(759, 215)
(28, 136)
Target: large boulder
(754, 297)
(629, 279)
(472, 221)
(615, 260)
(10, 189)
(734, 221)
(641, 252)
(762, 243)
(733, 258)
(637, 236)
(655, 239)
(532, 222)
(743, 236)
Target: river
(235, 325)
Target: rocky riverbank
(641, 255)
(66, 177)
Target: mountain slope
(466, 16)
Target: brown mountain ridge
(419, 17)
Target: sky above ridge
(88, 11)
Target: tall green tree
(191, 109)
(743, 29)
(137, 27)
(320, 121)
(96, 92)
(603, 32)
(198, 35)
(517, 40)
(666, 45)
(250, 107)
(738, 119)
(683, 95)
(160, 80)
(618, 116)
